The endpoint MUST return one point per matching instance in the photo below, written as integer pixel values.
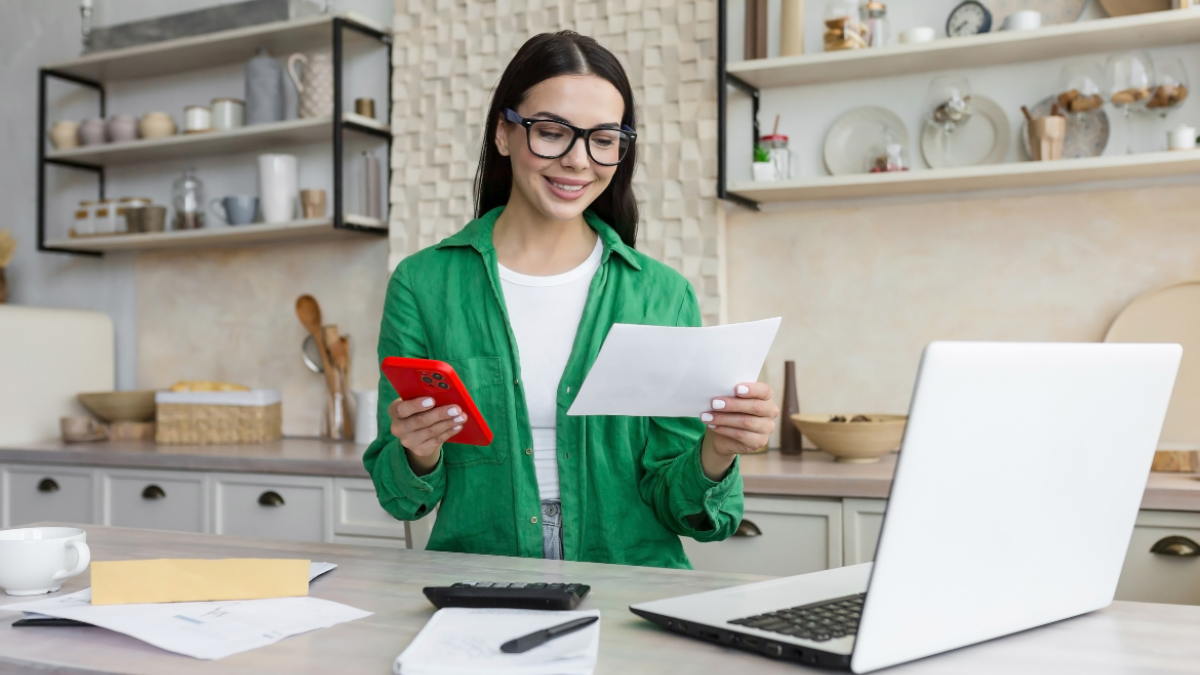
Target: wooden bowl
(120, 406)
(853, 442)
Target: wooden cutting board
(1171, 314)
(1127, 7)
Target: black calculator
(512, 595)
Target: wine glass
(1172, 86)
(1131, 82)
(948, 104)
(1082, 88)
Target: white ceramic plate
(854, 134)
(1086, 136)
(1169, 315)
(983, 139)
(1053, 11)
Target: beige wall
(862, 289)
(229, 314)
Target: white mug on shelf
(228, 113)
(366, 423)
(36, 560)
(918, 35)
(1026, 19)
(1181, 137)
(278, 187)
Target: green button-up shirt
(630, 486)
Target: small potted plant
(763, 168)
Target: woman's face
(562, 188)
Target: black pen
(541, 637)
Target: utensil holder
(1046, 135)
(334, 420)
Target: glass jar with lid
(844, 27)
(187, 197)
(875, 22)
(776, 146)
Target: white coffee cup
(278, 187)
(1027, 19)
(366, 422)
(918, 35)
(36, 560)
(1181, 137)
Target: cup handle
(218, 210)
(85, 559)
(291, 70)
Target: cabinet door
(298, 508)
(863, 520)
(779, 536)
(357, 511)
(155, 500)
(1166, 576)
(43, 493)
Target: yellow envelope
(140, 581)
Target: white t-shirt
(545, 314)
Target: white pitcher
(316, 85)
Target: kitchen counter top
(815, 474)
(1122, 638)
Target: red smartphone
(419, 378)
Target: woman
(519, 303)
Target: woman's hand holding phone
(737, 425)
(422, 429)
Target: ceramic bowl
(157, 125)
(122, 129)
(853, 442)
(92, 131)
(120, 406)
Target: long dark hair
(541, 58)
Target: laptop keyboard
(818, 622)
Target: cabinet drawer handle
(153, 492)
(747, 529)
(270, 498)
(47, 485)
(1175, 545)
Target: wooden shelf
(1142, 31)
(296, 230)
(242, 139)
(974, 178)
(214, 49)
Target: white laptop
(1018, 482)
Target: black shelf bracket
(44, 76)
(341, 125)
(724, 81)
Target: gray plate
(1087, 134)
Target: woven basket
(217, 424)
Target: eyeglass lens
(551, 140)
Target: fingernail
(460, 418)
(706, 417)
(458, 428)
(712, 426)
(718, 404)
(453, 412)
(743, 389)
(427, 402)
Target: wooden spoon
(339, 351)
(309, 313)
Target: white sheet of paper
(661, 371)
(203, 630)
(460, 641)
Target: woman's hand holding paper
(737, 425)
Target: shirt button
(529, 451)
(533, 520)
(516, 383)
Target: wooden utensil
(339, 351)
(338, 421)
(309, 313)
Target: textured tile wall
(448, 56)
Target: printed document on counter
(203, 630)
(461, 641)
(666, 371)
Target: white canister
(366, 422)
(104, 217)
(278, 187)
(228, 113)
(83, 219)
(196, 118)
(918, 35)
(1181, 137)
(1026, 19)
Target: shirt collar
(478, 235)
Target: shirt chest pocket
(484, 379)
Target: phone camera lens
(426, 380)
(437, 376)
(443, 385)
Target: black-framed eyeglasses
(549, 139)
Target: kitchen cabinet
(779, 536)
(862, 520)
(1163, 560)
(155, 500)
(32, 493)
(299, 508)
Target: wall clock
(969, 18)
